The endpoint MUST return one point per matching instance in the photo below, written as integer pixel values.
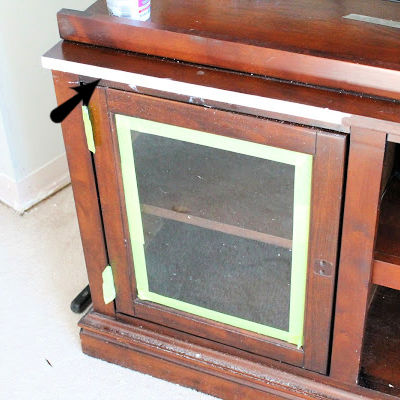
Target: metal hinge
(88, 129)
(109, 293)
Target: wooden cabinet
(241, 215)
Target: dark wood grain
(216, 226)
(307, 41)
(388, 237)
(201, 367)
(386, 270)
(228, 124)
(232, 81)
(225, 349)
(241, 354)
(83, 180)
(206, 119)
(328, 175)
(117, 236)
(363, 186)
(301, 52)
(380, 367)
(211, 344)
(221, 333)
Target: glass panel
(218, 226)
(193, 198)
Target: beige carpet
(41, 270)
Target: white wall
(32, 156)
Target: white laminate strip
(197, 91)
(372, 20)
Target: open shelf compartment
(380, 365)
(380, 361)
(386, 271)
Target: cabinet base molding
(191, 365)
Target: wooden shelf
(386, 271)
(216, 226)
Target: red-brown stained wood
(228, 80)
(118, 244)
(328, 173)
(183, 216)
(83, 180)
(218, 346)
(324, 50)
(202, 368)
(328, 170)
(170, 371)
(388, 237)
(386, 270)
(376, 124)
(225, 123)
(205, 119)
(240, 354)
(221, 333)
(358, 240)
(307, 41)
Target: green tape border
(301, 219)
(88, 129)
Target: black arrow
(84, 91)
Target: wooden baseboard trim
(194, 366)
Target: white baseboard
(35, 187)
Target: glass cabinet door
(219, 226)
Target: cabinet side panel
(85, 192)
(367, 148)
(328, 172)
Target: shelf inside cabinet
(215, 189)
(386, 271)
(216, 226)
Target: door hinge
(88, 129)
(109, 293)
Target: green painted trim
(212, 140)
(109, 293)
(88, 129)
(132, 201)
(301, 223)
(301, 216)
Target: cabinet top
(309, 41)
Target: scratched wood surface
(307, 40)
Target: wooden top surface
(315, 27)
(66, 55)
(306, 41)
